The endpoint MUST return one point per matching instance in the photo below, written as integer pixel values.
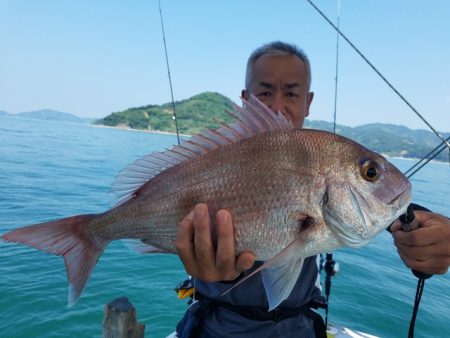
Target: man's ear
(309, 100)
(245, 94)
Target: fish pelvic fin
(66, 237)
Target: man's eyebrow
(266, 84)
(292, 85)
(287, 85)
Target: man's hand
(197, 252)
(426, 249)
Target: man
(279, 75)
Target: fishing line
(337, 68)
(419, 291)
(409, 223)
(168, 71)
(381, 75)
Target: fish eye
(370, 171)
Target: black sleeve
(419, 207)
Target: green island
(206, 109)
(194, 114)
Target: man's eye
(264, 94)
(291, 94)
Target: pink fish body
(293, 193)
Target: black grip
(409, 223)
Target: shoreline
(162, 132)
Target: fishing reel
(331, 268)
(327, 264)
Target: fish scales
(253, 179)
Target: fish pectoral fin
(140, 246)
(279, 274)
(280, 280)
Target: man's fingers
(426, 249)
(226, 260)
(435, 265)
(245, 261)
(416, 252)
(204, 248)
(419, 237)
(428, 219)
(225, 255)
(396, 225)
(184, 243)
(197, 251)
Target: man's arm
(197, 252)
(426, 249)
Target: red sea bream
(293, 193)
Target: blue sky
(91, 58)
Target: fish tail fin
(66, 237)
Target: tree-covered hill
(194, 114)
(389, 139)
(48, 115)
(205, 109)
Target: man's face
(280, 83)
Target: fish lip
(401, 195)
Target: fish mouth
(403, 197)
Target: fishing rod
(168, 72)
(381, 75)
(408, 219)
(329, 265)
(427, 158)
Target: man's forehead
(287, 71)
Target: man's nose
(277, 104)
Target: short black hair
(278, 48)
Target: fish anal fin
(142, 247)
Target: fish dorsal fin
(252, 119)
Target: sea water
(50, 170)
